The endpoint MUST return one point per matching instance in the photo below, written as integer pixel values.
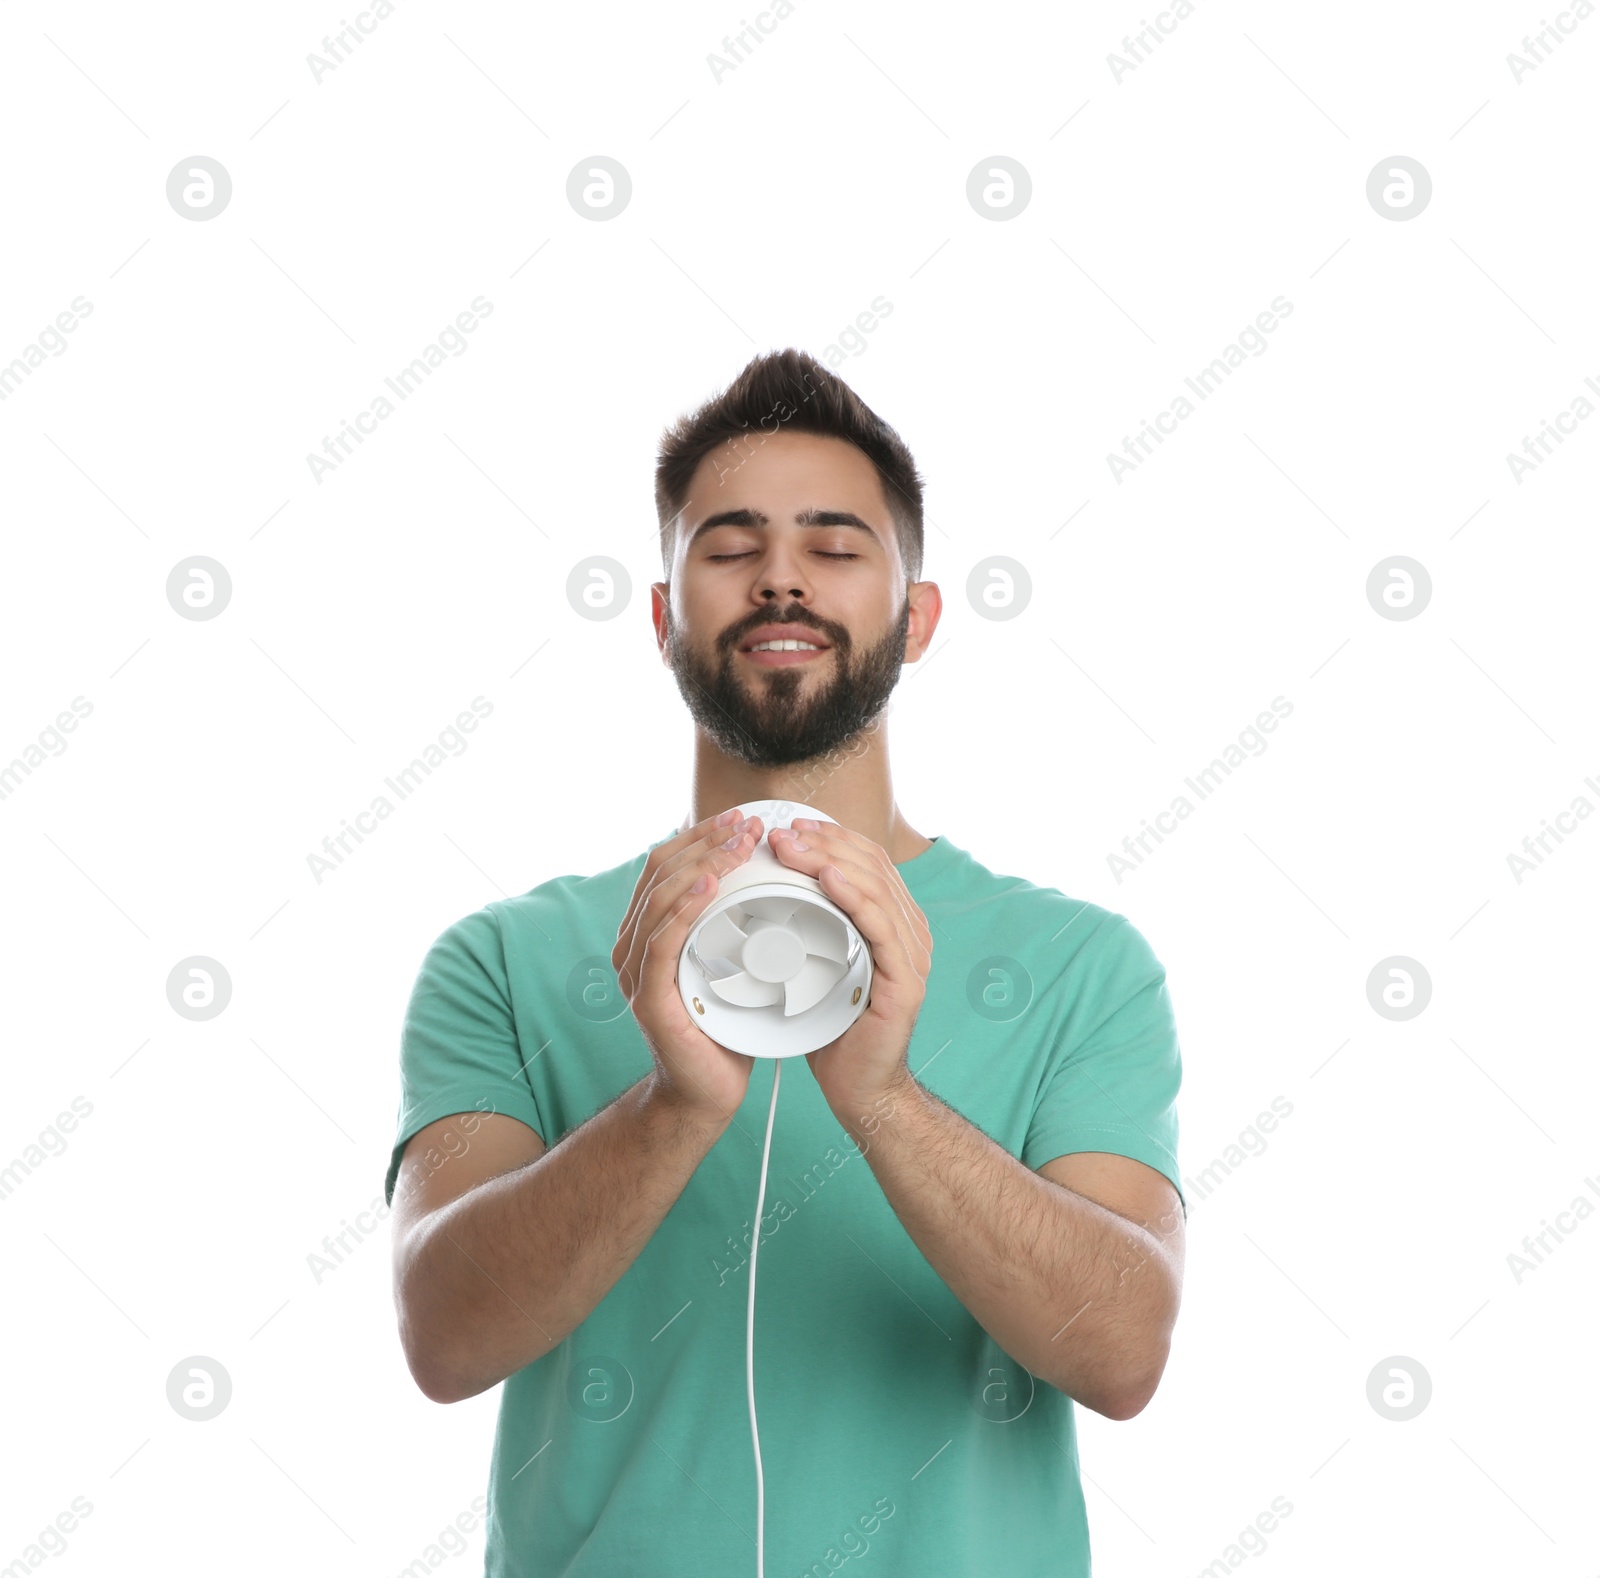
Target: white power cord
(750, 1328)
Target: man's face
(839, 585)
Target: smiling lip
(782, 659)
(782, 633)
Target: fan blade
(775, 908)
(719, 937)
(745, 991)
(823, 933)
(816, 979)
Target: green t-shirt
(890, 1421)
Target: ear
(926, 606)
(660, 604)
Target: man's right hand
(699, 1074)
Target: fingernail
(732, 843)
(701, 884)
(806, 822)
(726, 817)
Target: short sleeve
(458, 1043)
(1113, 1084)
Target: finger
(864, 863)
(893, 958)
(671, 888)
(692, 854)
(868, 888)
(664, 855)
(868, 849)
(662, 945)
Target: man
(974, 1214)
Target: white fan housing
(774, 968)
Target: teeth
(785, 646)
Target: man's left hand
(869, 1060)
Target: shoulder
(1050, 922)
(564, 908)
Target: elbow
(436, 1388)
(431, 1378)
(1122, 1396)
(424, 1359)
(1136, 1393)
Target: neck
(851, 784)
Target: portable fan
(774, 967)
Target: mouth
(782, 655)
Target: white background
(1168, 609)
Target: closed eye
(719, 558)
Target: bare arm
(1084, 1294)
(501, 1247)
(494, 1267)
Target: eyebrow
(749, 517)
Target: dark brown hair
(790, 388)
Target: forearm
(496, 1278)
(1079, 1295)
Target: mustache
(794, 616)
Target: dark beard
(762, 721)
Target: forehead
(780, 474)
